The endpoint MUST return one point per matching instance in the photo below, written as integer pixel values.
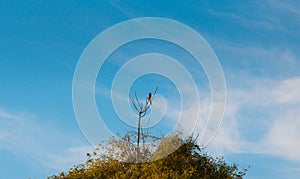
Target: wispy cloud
(287, 92)
(4, 114)
(282, 138)
(260, 22)
(42, 145)
(290, 7)
(127, 13)
(269, 16)
(257, 52)
(279, 101)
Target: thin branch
(128, 140)
(137, 100)
(155, 91)
(143, 114)
(142, 111)
(133, 103)
(152, 136)
(147, 101)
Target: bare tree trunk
(142, 111)
(138, 140)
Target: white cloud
(4, 114)
(43, 145)
(260, 21)
(194, 118)
(281, 132)
(291, 7)
(272, 15)
(281, 137)
(228, 136)
(272, 55)
(287, 92)
(67, 158)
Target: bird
(149, 98)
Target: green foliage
(116, 160)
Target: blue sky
(256, 43)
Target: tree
(188, 161)
(169, 157)
(141, 110)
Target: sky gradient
(257, 44)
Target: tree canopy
(140, 155)
(188, 161)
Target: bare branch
(143, 113)
(145, 109)
(133, 103)
(147, 101)
(127, 139)
(152, 136)
(137, 100)
(155, 91)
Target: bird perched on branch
(149, 98)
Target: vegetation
(140, 155)
(188, 161)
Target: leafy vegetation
(140, 155)
(188, 161)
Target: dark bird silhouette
(149, 98)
